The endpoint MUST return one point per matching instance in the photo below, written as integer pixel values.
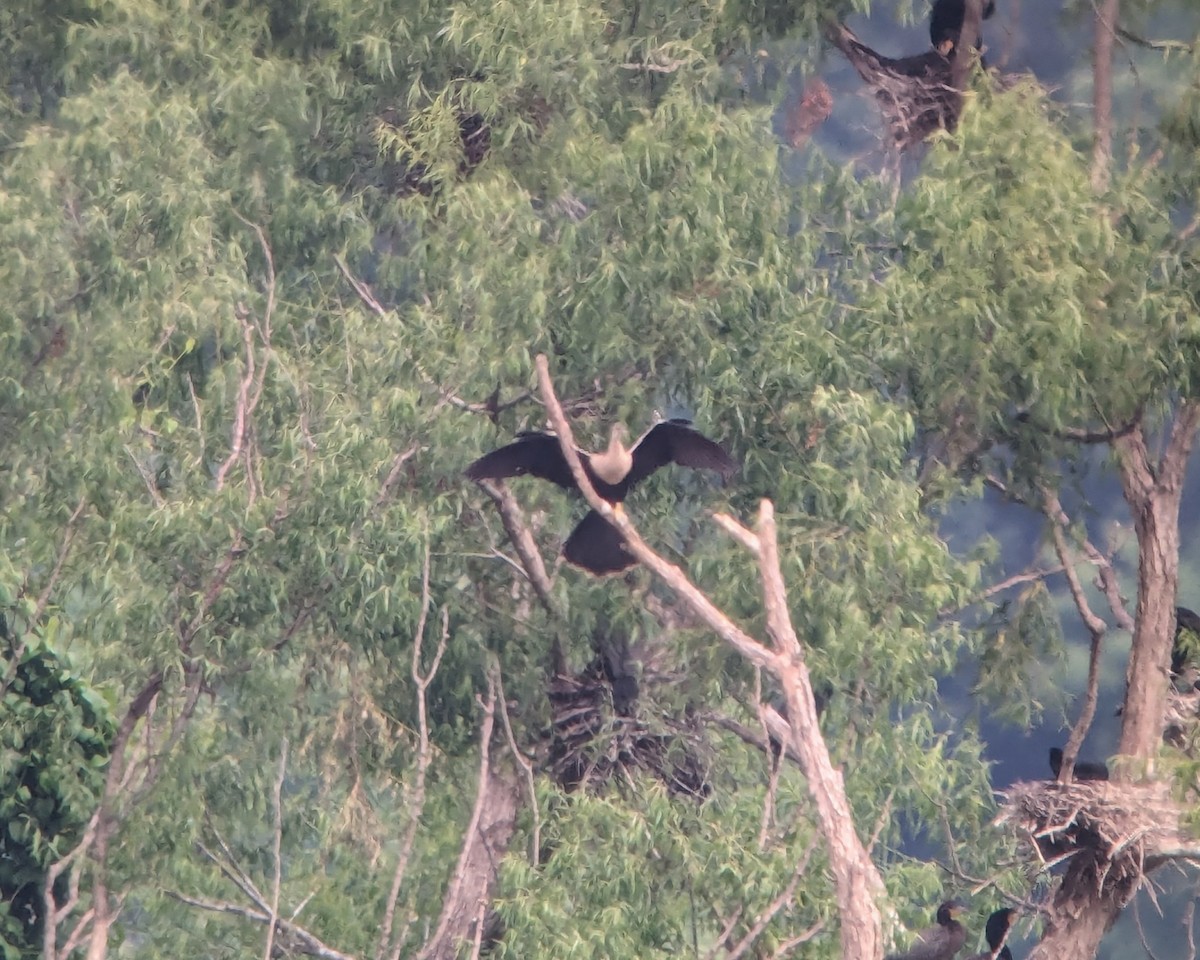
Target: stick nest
(1110, 834)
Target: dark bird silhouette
(916, 95)
(1184, 649)
(1084, 769)
(996, 931)
(946, 21)
(595, 545)
(941, 941)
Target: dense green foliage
(234, 474)
(53, 755)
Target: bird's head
(950, 910)
(619, 437)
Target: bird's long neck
(613, 464)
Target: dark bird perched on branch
(915, 94)
(996, 931)
(595, 545)
(1184, 649)
(946, 20)
(1084, 769)
(941, 941)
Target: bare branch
(535, 841)
(276, 850)
(1082, 434)
(1107, 15)
(43, 600)
(781, 901)
(233, 872)
(856, 879)
(438, 944)
(666, 66)
(675, 578)
(1096, 629)
(491, 409)
(305, 942)
(64, 549)
(416, 800)
(398, 462)
(522, 541)
(747, 538)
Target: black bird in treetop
(1181, 652)
(998, 925)
(1084, 769)
(946, 20)
(595, 545)
(941, 941)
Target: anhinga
(1084, 769)
(996, 932)
(595, 545)
(941, 941)
(946, 21)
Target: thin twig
(43, 600)
(1107, 16)
(535, 841)
(1059, 521)
(522, 541)
(276, 850)
(767, 915)
(307, 942)
(416, 801)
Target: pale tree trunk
(857, 884)
(1084, 909)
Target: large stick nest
(1109, 834)
(600, 736)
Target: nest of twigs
(599, 739)
(1108, 834)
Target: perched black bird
(946, 21)
(916, 94)
(1183, 648)
(1084, 769)
(595, 545)
(941, 941)
(998, 925)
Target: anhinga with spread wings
(941, 941)
(595, 545)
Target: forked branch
(857, 882)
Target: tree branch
(781, 901)
(416, 801)
(276, 852)
(1096, 629)
(444, 942)
(675, 578)
(1107, 15)
(522, 541)
(856, 880)
(305, 942)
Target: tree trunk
(474, 878)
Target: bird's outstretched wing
(876, 69)
(677, 441)
(536, 454)
(596, 546)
